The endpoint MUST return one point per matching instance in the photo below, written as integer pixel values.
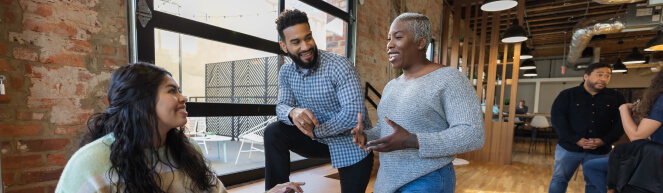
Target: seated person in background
(427, 116)
(521, 108)
(138, 143)
(651, 108)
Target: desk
(218, 139)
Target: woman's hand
(399, 139)
(358, 135)
(627, 107)
(287, 187)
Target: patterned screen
(251, 81)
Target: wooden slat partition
(466, 38)
(474, 44)
(444, 58)
(499, 134)
(455, 41)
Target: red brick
(40, 176)
(4, 66)
(21, 53)
(75, 60)
(56, 159)
(105, 101)
(9, 130)
(6, 147)
(3, 48)
(122, 52)
(8, 178)
(80, 46)
(17, 82)
(44, 10)
(5, 99)
(110, 64)
(18, 162)
(46, 144)
(26, 190)
(65, 130)
(110, 50)
(9, 16)
(23, 115)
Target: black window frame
(142, 48)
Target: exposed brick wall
(373, 21)
(58, 56)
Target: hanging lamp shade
(514, 34)
(498, 5)
(655, 44)
(530, 73)
(635, 57)
(619, 66)
(527, 64)
(525, 52)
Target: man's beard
(302, 64)
(593, 85)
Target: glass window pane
(341, 4)
(251, 17)
(329, 32)
(210, 71)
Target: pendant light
(530, 73)
(619, 66)
(527, 64)
(655, 44)
(514, 34)
(635, 57)
(525, 52)
(498, 5)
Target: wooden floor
(528, 173)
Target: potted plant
(507, 101)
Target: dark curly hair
(132, 119)
(650, 96)
(289, 18)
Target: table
(218, 139)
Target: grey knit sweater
(442, 108)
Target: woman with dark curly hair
(651, 109)
(137, 144)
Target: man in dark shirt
(587, 120)
(521, 108)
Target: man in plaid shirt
(318, 101)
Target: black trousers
(279, 138)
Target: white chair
(252, 136)
(541, 124)
(195, 133)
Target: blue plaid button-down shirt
(332, 91)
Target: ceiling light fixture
(514, 34)
(528, 64)
(619, 66)
(635, 57)
(655, 44)
(498, 5)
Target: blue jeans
(596, 174)
(566, 163)
(442, 180)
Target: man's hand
(287, 187)
(358, 135)
(594, 143)
(398, 140)
(304, 120)
(584, 143)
